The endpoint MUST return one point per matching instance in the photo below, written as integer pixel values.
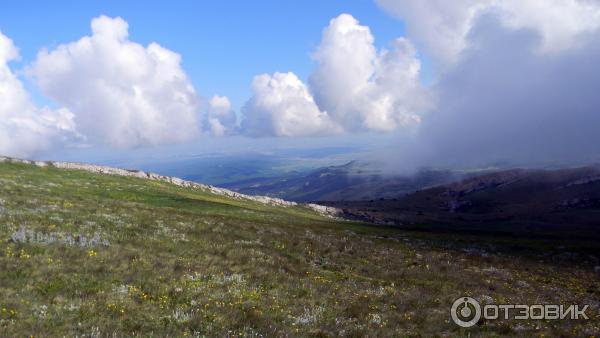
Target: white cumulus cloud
(354, 87)
(221, 117)
(120, 92)
(26, 129)
(282, 106)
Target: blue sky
(224, 44)
(302, 74)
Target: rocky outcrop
(98, 169)
(585, 180)
(325, 210)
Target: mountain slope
(354, 180)
(562, 203)
(88, 254)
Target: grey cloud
(505, 101)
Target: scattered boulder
(24, 235)
(325, 210)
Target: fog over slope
(508, 92)
(505, 102)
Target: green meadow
(92, 255)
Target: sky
(222, 49)
(421, 83)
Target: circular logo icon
(465, 311)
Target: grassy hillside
(97, 255)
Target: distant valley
(354, 180)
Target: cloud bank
(503, 101)
(25, 128)
(518, 82)
(355, 87)
(443, 27)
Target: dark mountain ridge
(560, 202)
